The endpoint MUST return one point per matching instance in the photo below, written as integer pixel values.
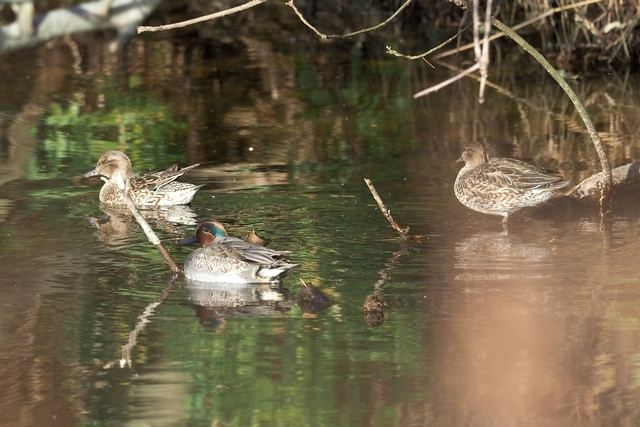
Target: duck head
(473, 155)
(115, 166)
(206, 233)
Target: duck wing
(158, 179)
(516, 174)
(233, 247)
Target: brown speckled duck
(502, 186)
(146, 189)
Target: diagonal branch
(175, 268)
(403, 232)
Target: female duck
(501, 186)
(145, 189)
(231, 260)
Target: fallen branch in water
(173, 265)
(403, 232)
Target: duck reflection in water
(499, 256)
(216, 301)
(117, 229)
(502, 186)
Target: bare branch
(422, 55)
(252, 3)
(338, 36)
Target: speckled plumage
(502, 186)
(146, 189)
(231, 260)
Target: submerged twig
(147, 229)
(403, 232)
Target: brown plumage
(255, 238)
(146, 189)
(502, 186)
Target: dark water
(535, 328)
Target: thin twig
(422, 55)
(338, 36)
(403, 232)
(252, 3)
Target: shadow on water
(468, 326)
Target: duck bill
(90, 173)
(460, 160)
(188, 241)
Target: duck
(502, 186)
(231, 260)
(148, 189)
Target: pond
(481, 328)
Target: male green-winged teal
(146, 189)
(501, 186)
(231, 260)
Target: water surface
(537, 327)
